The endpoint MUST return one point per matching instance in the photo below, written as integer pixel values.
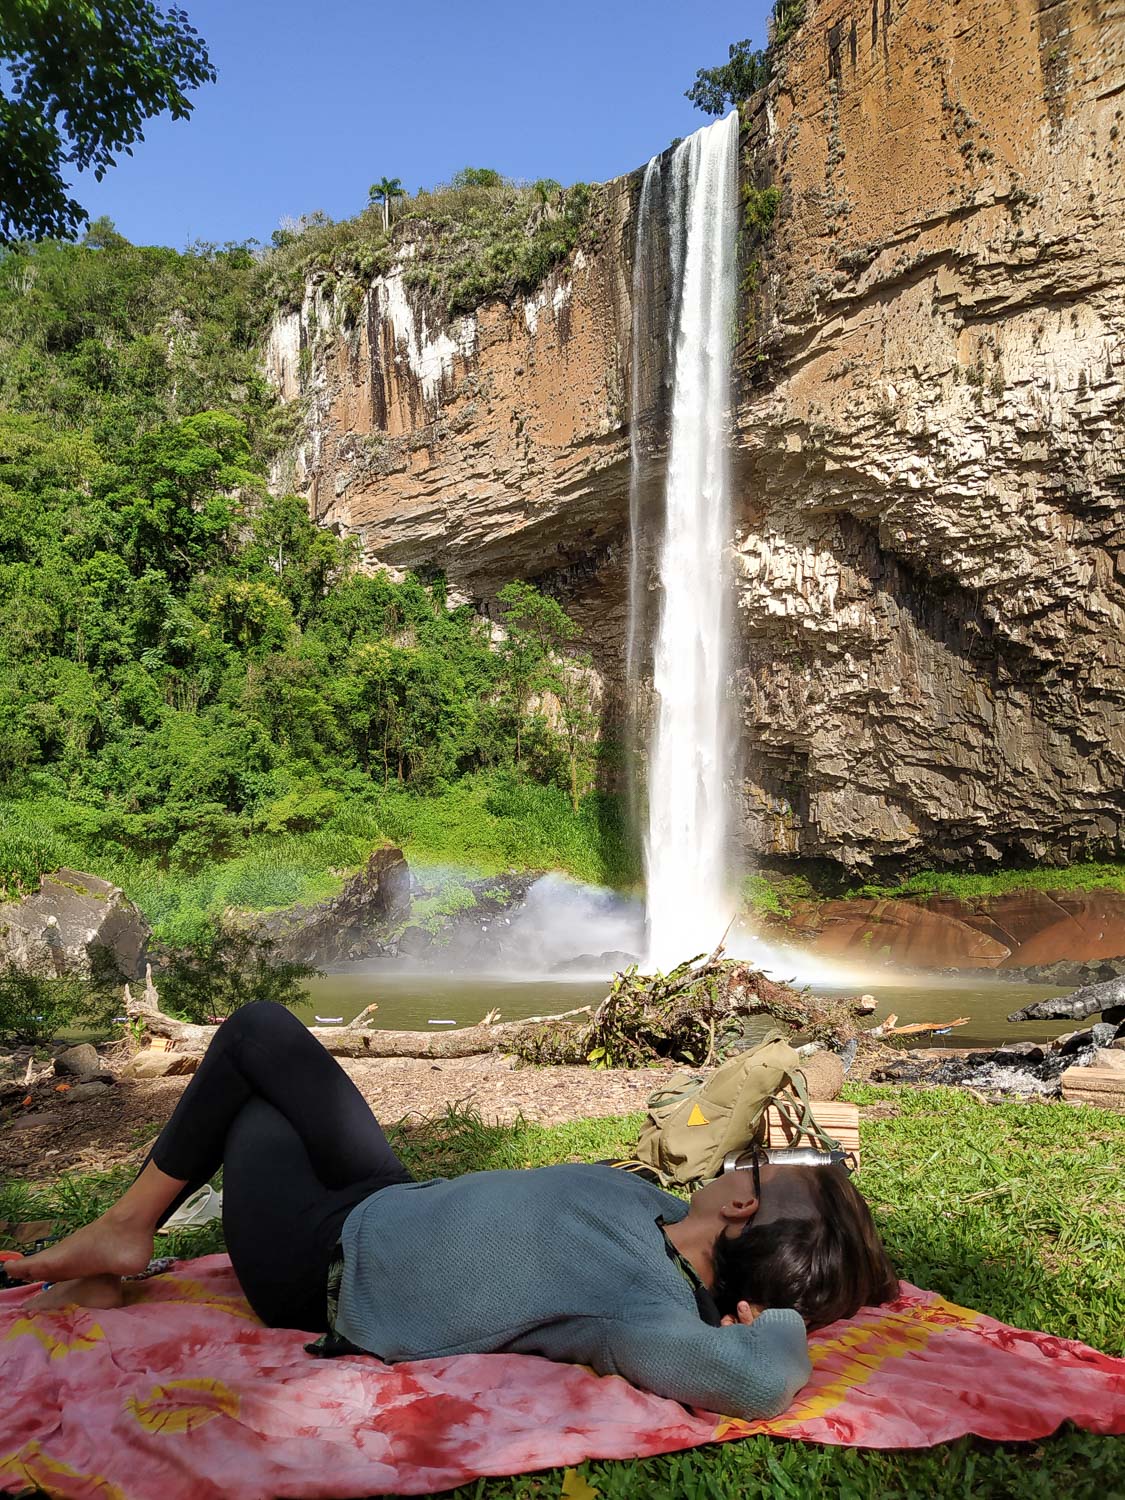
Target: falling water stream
(685, 847)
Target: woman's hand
(747, 1312)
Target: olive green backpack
(694, 1122)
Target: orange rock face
(996, 932)
(932, 545)
(493, 447)
(1043, 927)
(904, 935)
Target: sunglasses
(786, 1156)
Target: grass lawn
(1016, 1209)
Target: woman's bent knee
(261, 1019)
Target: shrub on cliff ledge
(476, 242)
(477, 238)
(746, 70)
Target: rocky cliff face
(930, 478)
(932, 544)
(493, 448)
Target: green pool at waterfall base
(410, 998)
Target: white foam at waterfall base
(564, 920)
(689, 901)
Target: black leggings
(299, 1149)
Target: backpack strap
(792, 1103)
(641, 1169)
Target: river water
(410, 999)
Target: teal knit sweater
(568, 1262)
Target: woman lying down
(707, 1303)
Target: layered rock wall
(931, 551)
(930, 480)
(491, 447)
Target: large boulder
(82, 1063)
(63, 926)
(344, 927)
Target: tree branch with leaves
(78, 80)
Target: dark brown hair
(826, 1267)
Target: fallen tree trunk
(357, 1039)
(1087, 1001)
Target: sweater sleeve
(740, 1371)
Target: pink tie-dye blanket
(184, 1395)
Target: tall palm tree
(382, 192)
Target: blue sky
(313, 102)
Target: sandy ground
(55, 1135)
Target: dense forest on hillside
(202, 695)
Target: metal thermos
(790, 1156)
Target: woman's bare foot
(86, 1291)
(111, 1246)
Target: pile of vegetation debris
(704, 1010)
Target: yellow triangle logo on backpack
(697, 1117)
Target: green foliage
(468, 242)
(222, 970)
(107, 343)
(786, 16)
(201, 695)
(431, 912)
(34, 1008)
(477, 177)
(477, 243)
(536, 660)
(82, 77)
(498, 820)
(760, 897)
(489, 822)
(384, 192)
(1093, 876)
(535, 626)
(747, 69)
(759, 209)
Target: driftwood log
(1087, 1001)
(356, 1039)
(699, 1013)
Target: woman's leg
(262, 1052)
(280, 1222)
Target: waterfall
(688, 902)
